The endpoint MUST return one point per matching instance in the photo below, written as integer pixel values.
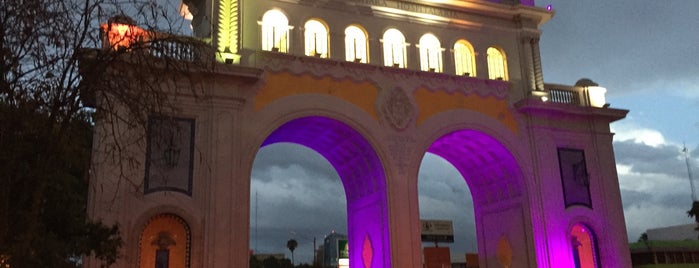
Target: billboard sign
(437, 231)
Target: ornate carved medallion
(396, 109)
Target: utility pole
(689, 172)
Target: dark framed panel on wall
(574, 177)
(169, 154)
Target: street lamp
(593, 92)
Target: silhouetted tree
(694, 213)
(291, 245)
(254, 262)
(55, 82)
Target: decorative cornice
(383, 77)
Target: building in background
(672, 246)
(335, 250)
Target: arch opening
(494, 180)
(165, 242)
(443, 196)
(584, 247)
(362, 178)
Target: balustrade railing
(564, 95)
(131, 38)
(590, 96)
(180, 48)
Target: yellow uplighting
(356, 44)
(430, 53)
(228, 28)
(497, 64)
(316, 37)
(394, 52)
(275, 31)
(464, 59)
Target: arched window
(464, 58)
(497, 64)
(165, 242)
(584, 247)
(394, 52)
(316, 37)
(430, 53)
(275, 31)
(356, 45)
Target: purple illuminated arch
(362, 176)
(489, 168)
(496, 184)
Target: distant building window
(356, 45)
(430, 53)
(584, 247)
(394, 51)
(464, 58)
(275, 31)
(316, 36)
(497, 64)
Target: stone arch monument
(537, 157)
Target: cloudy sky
(645, 52)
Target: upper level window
(316, 37)
(394, 52)
(275, 31)
(356, 45)
(430, 53)
(497, 64)
(464, 58)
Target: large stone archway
(362, 176)
(519, 143)
(495, 180)
(373, 124)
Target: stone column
(536, 60)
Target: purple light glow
(549, 7)
(488, 167)
(362, 176)
(494, 178)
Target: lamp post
(594, 95)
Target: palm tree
(292, 244)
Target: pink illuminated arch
(490, 170)
(362, 176)
(495, 181)
(584, 247)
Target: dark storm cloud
(676, 201)
(284, 155)
(655, 186)
(634, 198)
(624, 45)
(444, 195)
(638, 199)
(694, 153)
(664, 159)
